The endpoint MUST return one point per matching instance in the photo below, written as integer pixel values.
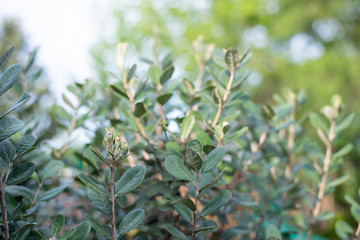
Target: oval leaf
(95, 224)
(140, 109)
(176, 167)
(130, 180)
(25, 144)
(94, 185)
(220, 200)
(9, 78)
(166, 74)
(7, 151)
(81, 231)
(162, 99)
(212, 159)
(4, 58)
(57, 225)
(131, 221)
(20, 173)
(51, 169)
(9, 126)
(193, 160)
(184, 212)
(22, 100)
(186, 127)
(176, 232)
(51, 194)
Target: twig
(357, 233)
(3, 209)
(112, 201)
(195, 213)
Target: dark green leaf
(193, 159)
(5, 57)
(16, 211)
(51, 169)
(81, 231)
(196, 146)
(185, 201)
(131, 72)
(140, 88)
(232, 58)
(7, 151)
(166, 75)
(18, 191)
(343, 151)
(100, 202)
(95, 224)
(131, 221)
(208, 148)
(212, 182)
(9, 78)
(176, 232)
(51, 194)
(184, 212)
(140, 109)
(20, 173)
(94, 185)
(98, 154)
(343, 229)
(119, 91)
(91, 158)
(176, 167)
(57, 225)
(131, 179)
(206, 228)
(25, 144)
(162, 99)
(9, 126)
(22, 100)
(220, 200)
(324, 216)
(212, 159)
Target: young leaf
(166, 75)
(9, 78)
(81, 231)
(51, 169)
(186, 127)
(51, 194)
(98, 154)
(140, 109)
(130, 180)
(22, 100)
(20, 173)
(212, 159)
(193, 159)
(95, 224)
(175, 166)
(131, 221)
(272, 233)
(176, 232)
(232, 58)
(7, 151)
(93, 185)
(4, 58)
(25, 144)
(131, 72)
(57, 225)
(9, 126)
(220, 200)
(162, 99)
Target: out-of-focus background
(307, 44)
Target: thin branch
(112, 201)
(195, 213)
(3, 209)
(357, 233)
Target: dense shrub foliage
(182, 157)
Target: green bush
(185, 158)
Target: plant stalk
(357, 233)
(112, 202)
(3, 209)
(195, 213)
(325, 175)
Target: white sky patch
(64, 31)
(303, 47)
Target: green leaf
(5, 57)
(176, 167)
(166, 75)
(184, 212)
(232, 58)
(51, 169)
(95, 224)
(185, 201)
(220, 200)
(140, 88)
(355, 212)
(196, 146)
(193, 159)
(176, 232)
(343, 229)
(206, 228)
(272, 233)
(317, 122)
(98, 155)
(19, 191)
(131, 179)
(208, 148)
(140, 109)
(186, 127)
(220, 62)
(20, 173)
(337, 181)
(51, 194)
(209, 184)
(345, 123)
(324, 216)
(119, 91)
(25, 144)
(154, 73)
(131, 72)
(131, 221)
(212, 159)
(343, 151)
(22, 100)
(9, 78)
(68, 102)
(100, 202)
(9, 126)
(162, 99)
(237, 135)
(113, 75)
(16, 211)
(7, 151)
(81, 231)
(203, 138)
(57, 225)
(100, 189)
(90, 157)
